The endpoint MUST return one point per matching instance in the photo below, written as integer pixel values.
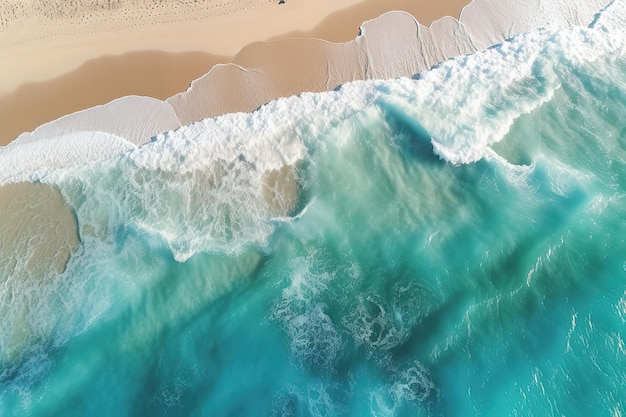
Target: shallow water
(449, 245)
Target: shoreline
(139, 117)
(107, 76)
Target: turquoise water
(455, 246)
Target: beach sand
(64, 64)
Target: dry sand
(63, 64)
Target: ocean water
(448, 245)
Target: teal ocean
(448, 245)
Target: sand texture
(393, 45)
(131, 49)
(66, 34)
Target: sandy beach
(67, 61)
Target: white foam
(374, 327)
(611, 18)
(414, 384)
(469, 103)
(621, 304)
(316, 398)
(315, 341)
(201, 188)
(32, 161)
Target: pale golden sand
(51, 72)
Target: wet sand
(39, 212)
(161, 73)
(148, 73)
